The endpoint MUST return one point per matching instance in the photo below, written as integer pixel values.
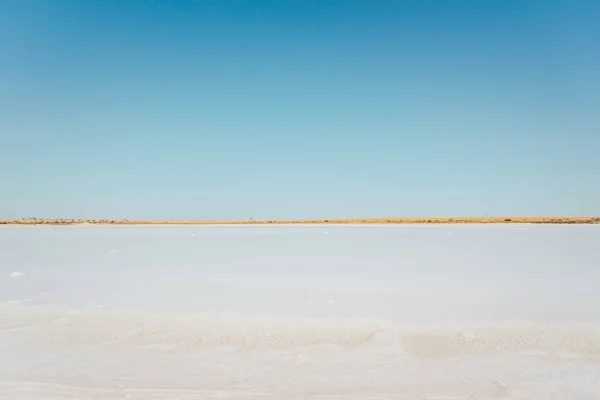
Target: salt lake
(299, 312)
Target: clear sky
(299, 108)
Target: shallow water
(282, 312)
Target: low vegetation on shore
(492, 220)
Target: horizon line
(251, 221)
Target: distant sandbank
(458, 220)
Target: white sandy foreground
(390, 312)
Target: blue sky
(299, 109)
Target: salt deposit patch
(99, 353)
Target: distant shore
(400, 221)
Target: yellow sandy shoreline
(459, 220)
